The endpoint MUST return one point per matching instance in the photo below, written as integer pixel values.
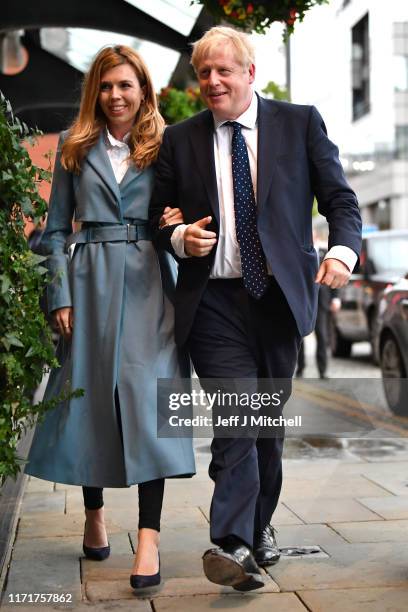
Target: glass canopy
(177, 14)
(77, 47)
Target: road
(349, 405)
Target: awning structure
(46, 46)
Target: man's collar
(114, 142)
(247, 119)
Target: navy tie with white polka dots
(254, 272)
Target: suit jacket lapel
(270, 131)
(100, 162)
(202, 144)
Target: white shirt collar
(113, 142)
(248, 118)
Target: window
(360, 68)
(401, 141)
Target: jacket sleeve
(58, 228)
(164, 194)
(335, 198)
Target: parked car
(383, 261)
(393, 346)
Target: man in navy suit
(239, 326)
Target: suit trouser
(236, 336)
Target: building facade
(350, 59)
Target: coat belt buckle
(129, 238)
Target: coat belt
(110, 233)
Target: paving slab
(175, 499)
(126, 497)
(113, 499)
(352, 485)
(59, 486)
(390, 469)
(394, 507)
(103, 590)
(53, 501)
(54, 525)
(118, 566)
(120, 543)
(324, 510)
(317, 468)
(357, 600)
(394, 482)
(181, 517)
(188, 539)
(307, 535)
(45, 565)
(101, 606)
(282, 515)
(349, 566)
(373, 531)
(36, 485)
(278, 602)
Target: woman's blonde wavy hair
(147, 131)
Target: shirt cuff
(177, 241)
(344, 254)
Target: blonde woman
(115, 318)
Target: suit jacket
(296, 162)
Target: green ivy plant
(25, 339)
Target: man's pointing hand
(198, 242)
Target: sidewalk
(354, 506)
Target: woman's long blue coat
(122, 338)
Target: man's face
(225, 84)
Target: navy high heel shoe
(95, 554)
(138, 581)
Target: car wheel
(395, 382)
(340, 347)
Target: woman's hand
(171, 216)
(64, 321)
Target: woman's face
(120, 96)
